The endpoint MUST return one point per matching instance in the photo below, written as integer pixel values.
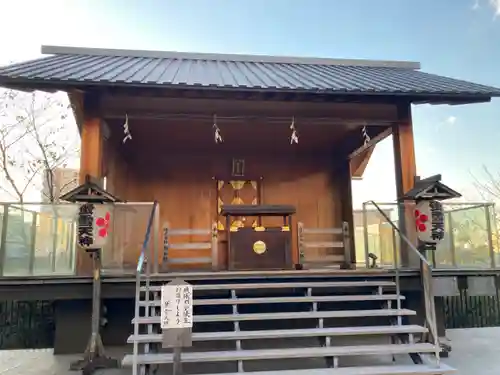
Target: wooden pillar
(91, 163)
(405, 171)
(345, 178)
(91, 157)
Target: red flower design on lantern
(103, 224)
(420, 220)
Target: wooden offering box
(256, 248)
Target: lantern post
(429, 218)
(94, 219)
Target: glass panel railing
(470, 239)
(40, 239)
(470, 233)
(375, 235)
(130, 222)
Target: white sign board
(176, 305)
(94, 224)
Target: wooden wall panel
(185, 188)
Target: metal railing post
(452, 240)
(398, 283)
(156, 237)
(32, 259)
(140, 265)
(495, 230)
(395, 247)
(3, 239)
(489, 235)
(427, 285)
(365, 236)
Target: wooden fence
(465, 311)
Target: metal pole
(156, 236)
(402, 225)
(395, 248)
(452, 241)
(177, 370)
(72, 247)
(33, 245)
(3, 239)
(96, 294)
(95, 357)
(495, 228)
(489, 235)
(55, 227)
(365, 236)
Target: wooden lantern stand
(94, 357)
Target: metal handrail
(426, 279)
(139, 269)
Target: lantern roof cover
(430, 188)
(89, 191)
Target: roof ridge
(60, 50)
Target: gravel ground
(475, 351)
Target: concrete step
(289, 333)
(317, 352)
(286, 315)
(258, 300)
(363, 370)
(284, 285)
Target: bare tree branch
(35, 139)
(489, 187)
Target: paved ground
(475, 351)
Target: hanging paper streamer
(126, 130)
(295, 135)
(217, 133)
(364, 134)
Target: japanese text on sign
(176, 306)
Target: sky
(456, 38)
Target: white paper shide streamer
(217, 133)
(126, 131)
(364, 134)
(294, 138)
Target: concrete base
(73, 319)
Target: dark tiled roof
(80, 66)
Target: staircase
(289, 326)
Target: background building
(65, 179)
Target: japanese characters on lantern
(93, 225)
(429, 221)
(85, 225)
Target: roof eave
(28, 85)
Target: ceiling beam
(376, 138)
(359, 163)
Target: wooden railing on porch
(314, 238)
(179, 251)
